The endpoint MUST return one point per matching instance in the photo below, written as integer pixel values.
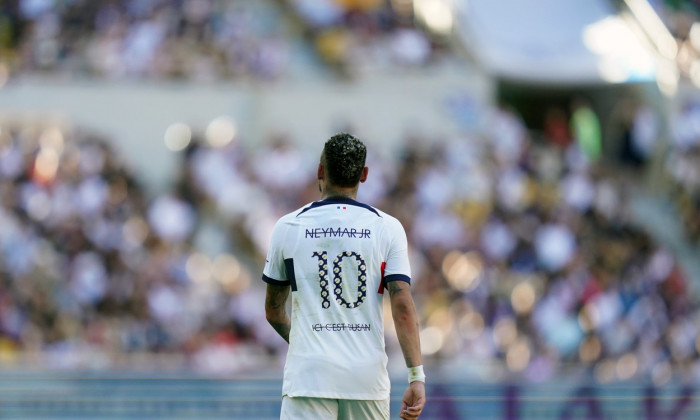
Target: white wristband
(416, 374)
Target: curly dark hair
(344, 159)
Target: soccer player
(337, 256)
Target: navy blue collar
(338, 200)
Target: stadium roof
(554, 41)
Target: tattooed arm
(275, 309)
(406, 321)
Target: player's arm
(278, 285)
(275, 309)
(403, 311)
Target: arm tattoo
(275, 303)
(277, 297)
(394, 288)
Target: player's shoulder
(292, 215)
(384, 215)
(386, 218)
(389, 220)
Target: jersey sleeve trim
(270, 280)
(397, 277)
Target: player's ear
(363, 177)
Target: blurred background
(543, 157)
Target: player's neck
(339, 192)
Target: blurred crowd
(362, 35)
(682, 164)
(203, 40)
(196, 40)
(525, 258)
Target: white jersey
(337, 255)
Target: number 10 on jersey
(336, 274)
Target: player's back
(335, 254)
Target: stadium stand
(530, 266)
(524, 253)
